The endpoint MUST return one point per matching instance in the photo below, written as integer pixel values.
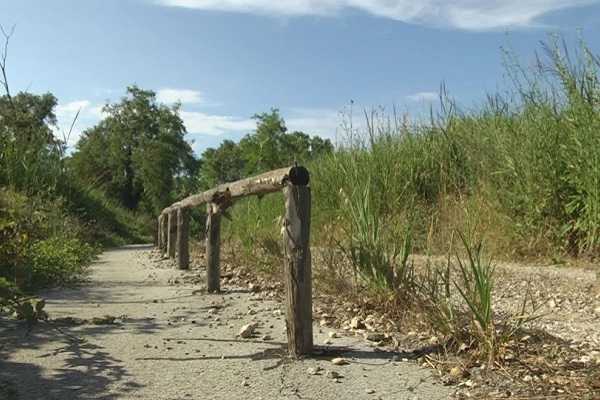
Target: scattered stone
(339, 361)
(247, 330)
(266, 337)
(245, 383)
(333, 335)
(458, 372)
(327, 341)
(254, 288)
(356, 323)
(373, 336)
(313, 370)
(332, 375)
(369, 391)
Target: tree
(269, 147)
(223, 164)
(136, 152)
(30, 153)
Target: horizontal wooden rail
(260, 185)
(173, 236)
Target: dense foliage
(135, 152)
(269, 147)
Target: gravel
(159, 335)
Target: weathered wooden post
(183, 237)
(164, 232)
(297, 268)
(159, 233)
(213, 248)
(172, 232)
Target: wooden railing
(173, 238)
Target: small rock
(333, 335)
(338, 361)
(457, 372)
(332, 375)
(356, 323)
(373, 336)
(254, 288)
(552, 304)
(313, 371)
(247, 330)
(267, 337)
(326, 341)
(244, 383)
(369, 391)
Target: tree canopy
(136, 152)
(29, 147)
(269, 147)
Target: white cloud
(214, 125)
(423, 96)
(475, 15)
(89, 115)
(185, 96)
(314, 122)
(71, 109)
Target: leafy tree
(137, 151)
(30, 153)
(262, 149)
(269, 147)
(223, 164)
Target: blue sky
(226, 60)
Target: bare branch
(3, 57)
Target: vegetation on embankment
(58, 208)
(517, 177)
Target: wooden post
(172, 232)
(155, 233)
(213, 249)
(183, 238)
(164, 232)
(160, 236)
(297, 270)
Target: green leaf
(39, 306)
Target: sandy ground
(172, 340)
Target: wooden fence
(173, 238)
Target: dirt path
(170, 340)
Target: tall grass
(523, 168)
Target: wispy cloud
(184, 96)
(89, 115)
(474, 15)
(423, 96)
(214, 125)
(314, 122)
(71, 109)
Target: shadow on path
(86, 370)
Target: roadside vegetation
(516, 178)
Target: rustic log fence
(173, 238)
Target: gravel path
(157, 335)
